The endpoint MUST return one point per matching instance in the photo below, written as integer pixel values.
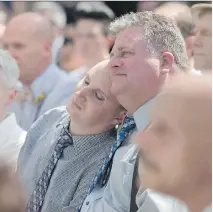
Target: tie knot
(128, 125)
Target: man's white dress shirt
(115, 197)
(12, 138)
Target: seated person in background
(91, 35)
(11, 194)
(91, 42)
(12, 137)
(176, 150)
(69, 57)
(181, 14)
(65, 147)
(28, 37)
(202, 14)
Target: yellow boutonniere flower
(39, 98)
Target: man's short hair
(9, 71)
(58, 15)
(160, 33)
(198, 10)
(97, 11)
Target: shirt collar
(196, 72)
(143, 115)
(43, 84)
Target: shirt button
(87, 203)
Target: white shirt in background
(12, 137)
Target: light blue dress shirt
(78, 73)
(115, 197)
(57, 90)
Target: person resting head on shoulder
(75, 140)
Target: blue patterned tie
(104, 171)
(38, 195)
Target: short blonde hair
(159, 32)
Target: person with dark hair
(12, 136)
(69, 58)
(92, 34)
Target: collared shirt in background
(43, 95)
(12, 137)
(78, 74)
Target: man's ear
(167, 62)
(110, 41)
(12, 96)
(119, 119)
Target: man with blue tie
(59, 163)
(28, 38)
(149, 49)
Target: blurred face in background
(69, 55)
(203, 43)
(90, 38)
(176, 149)
(28, 48)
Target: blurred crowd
(108, 112)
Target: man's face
(90, 38)
(133, 72)
(26, 48)
(172, 154)
(203, 43)
(93, 103)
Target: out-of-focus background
(63, 15)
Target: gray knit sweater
(75, 169)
